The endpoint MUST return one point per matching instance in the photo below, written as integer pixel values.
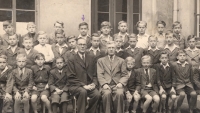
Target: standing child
(165, 73)
(58, 27)
(40, 79)
(184, 81)
(149, 85)
(179, 38)
(133, 84)
(142, 36)
(21, 82)
(135, 51)
(58, 84)
(83, 29)
(160, 34)
(72, 47)
(123, 27)
(44, 48)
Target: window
(115, 11)
(19, 12)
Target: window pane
(135, 20)
(119, 17)
(25, 16)
(5, 15)
(102, 17)
(25, 4)
(6, 4)
(103, 5)
(121, 5)
(136, 5)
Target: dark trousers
(82, 95)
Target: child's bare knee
(156, 98)
(34, 98)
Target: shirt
(27, 51)
(154, 49)
(82, 56)
(192, 50)
(161, 40)
(123, 36)
(75, 50)
(143, 41)
(46, 50)
(132, 49)
(5, 69)
(61, 47)
(94, 50)
(148, 85)
(183, 65)
(171, 48)
(165, 66)
(111, 59)
(85, 37)
(119, 50)
(12, 48)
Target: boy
(59, 86)
(60, 49)
(184, 81)
(165, 73)
(171, 48)
(12, 50)
(153, 50)
(160, 34)
(31, 27)
(83, 29)
(142, 36)
(123, 27)
(5, 91)
(192, 52)
(135, 51)
(105, 36)
(21, 81)
(119, 51)
(133, 84)
(149, 86)
(44, 48)
(72, 47)
(29, 51)
(40, 79)
(58, 27)
(179, 39)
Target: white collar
(6, 68)
(174, 46)
(167, 65)
(119, 50)
(104, 36)
(145, 35)
(189, 49)
(121, 34)
(22, 69)
(64, 45)
(9, 47)
(112, 58)
(91, 48)
(41, 68)
(81, 55)
(178, 62)
(155, 49)
(75, 50)
(60, 71)
(129, 47)
(80, 36)
(27, 50)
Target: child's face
(152, 42)
(170, 39)
(192, 43)
(21, 62)
(141, 28)
(40, 61)
(31, 29)
(42, 39)
(95, 42)
(164, 59)
(59, 64)
(118, 43)
(177, 29)
(13, 40)
(123, 27)
(3, 63)
(83, 30)
(146, 63)
(130, 64)
(132, 42)
(106, 30)
(60, 39)
(28, 44)
(160, 28)
(72, 43)
(111, 49)
(181, 57)
(9, 29)
(58, 27)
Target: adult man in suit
(112, 76)
(82, 79)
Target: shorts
(168, 92)
(58, 99)
(40, 93)
(151, 92)
(185, 89)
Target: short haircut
(161, 22)
(3, 56)
(14, 35)
(39, 55)
(41, 33)
(163, 53)
(132, 35)
(27, 38)
(141, 22)
(170, 32)
(71, 37)
(59, 22)
(116, 36)
(81, 39)
(146, 57)
(175, 24)
(31, 24)
(110, 43)
(6, 23)
(83, 24)
(95, 35)
(105, 23)
(120, 22)
(129, 58)
(181, 51)
(60, 58)
(21, 56)
(191, 37)
(152, 36)
(61, 32)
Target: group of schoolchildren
(162, 68)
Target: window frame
(112, 15)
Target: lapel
(57, 49)
(25, 74)
(31, 52)
(58, 74)
(151, 75)
(143, 73)
(17, 74)
(87, 60)
(64, 50)
(16, 50)
(6, 38)
(182, 72)
(119, 54)
(107, 64)
(80, 61)
(114, 63)
(136, 51)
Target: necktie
(83, 57)
(60, 72)
(20, 73)
(147, 74)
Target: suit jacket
(70, 54)
(172, 54)
(80, 73)
(183, 75)
(165, 76)
(133, 82)
(98, 55)
(57, 80)
(143, 78)
(180, 41)
(137, 55)
(30, 57)
(21, 84)
(193, 58)
(197, 79)
(155, 55)
(33, 36)
(115, 71)
(125, 43)
(122, 54)
(5, 40)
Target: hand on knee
(33, 98)
(193, 94)
(163, 97)
(173, 97)
(148, 98)
(156, 98)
